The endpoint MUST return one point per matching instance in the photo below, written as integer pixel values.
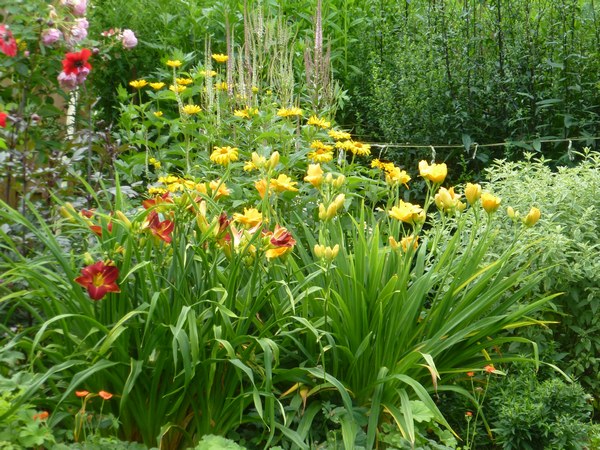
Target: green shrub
(570, 230)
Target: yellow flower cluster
(322, 152)
(318, 122)
(155, 162)
(326, 253)
(408, 213)
(314, 176)
(224, 155)
(406, 243)
(356, 148)
(447, 200)
(290, 112)
(339, 135)
(175, 184)
(393, 175)
(260, 162)
(245, 113)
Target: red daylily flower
(282, 237)
(165, 198)
(82, 393)
(97, 229)
(3, 117)
(99, 279)
(8, 44)
(161, 230)
(75, 63)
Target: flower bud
(472, 193)
(339, 181)
(532, 217)
(123, 218)
(490, 203)
(88, 259)
(273, 160)
(326, 253)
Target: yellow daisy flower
(222, 86)
(224, 155)
(138, 84)
(318, 122)
(178, 89)
(158, 113)
(219, 57)
(320, 155)
(396, 176)
(184, 81)
(208, 73)
(191, 109)
(339, 135)
(174, 63)
(290, 112)
(158, 85)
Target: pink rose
(79, 7)
(128, 39)
(79, 30)
(67, 82)
(50, 36)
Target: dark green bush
(526, 414)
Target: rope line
(476, 145)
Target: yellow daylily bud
(490, 203)
(274, 160)
(532, 217)
(67, 211)
(338, 183)
(123, 218)
(258, 161)
(472, 193)
(88, 259)
(409, 241)
(326, 253)
(443, 199)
